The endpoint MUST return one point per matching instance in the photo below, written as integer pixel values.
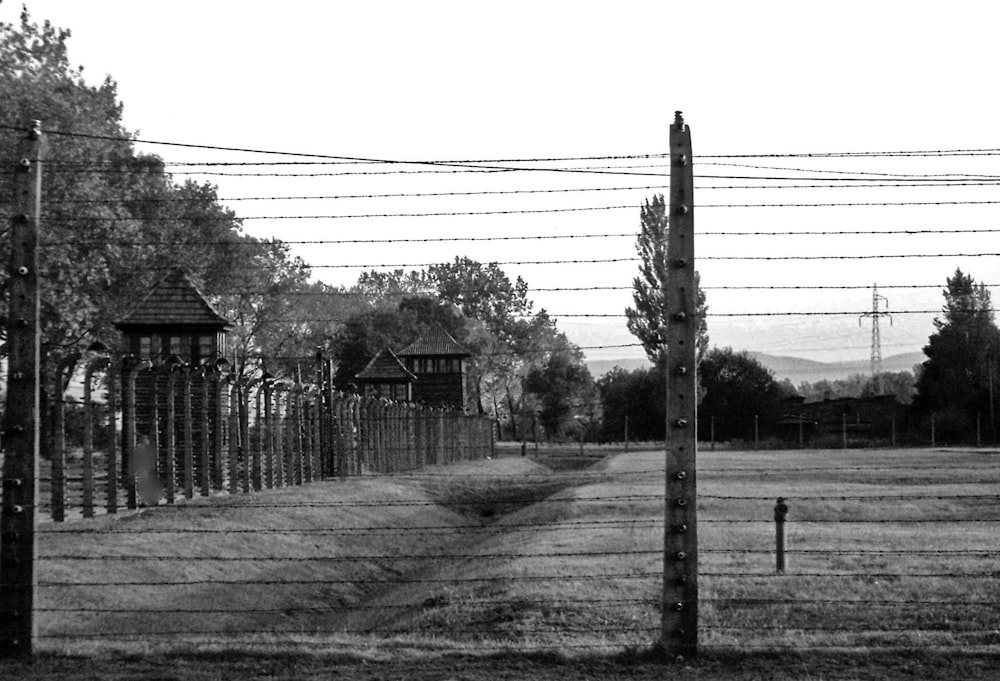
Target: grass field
(548, 566)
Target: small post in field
(780, 516)
(756, 432)
(933, 434)
(843, 430)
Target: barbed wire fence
(881, 549)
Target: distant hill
(794, 369)
(797, 369)
(599, 367)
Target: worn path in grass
(369, 557)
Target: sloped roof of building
(174, 301)
(436, 342)
(385, 366)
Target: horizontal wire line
(523, 211)
(365, 196)
(606, 602)
(385, 503)
(855, 575)
(536, 211)
(362, 529)
(366, 630)
(819, 287)
(598, 261)
(400, 580)
(867, 173)
(623, 157)
(337, 197)
(843, 601)
(863, 552)
(622, 315)
(529, 237)
(989, 151)
(858, 521)
(847, 203)
(865, 154)
(474, 166)
(324, 645)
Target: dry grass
(488, 579)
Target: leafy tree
(955, 379)
(511, 337)
(392, 286)
(639, 395)
(646, 319)
(563, 388)
(737, 388)
(366, 333)
(114, 222)
(483, 292)
(899, 384)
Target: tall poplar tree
(646, 319)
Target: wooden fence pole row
(203, 438)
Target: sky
(506, 84)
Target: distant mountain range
(797, 369)
(794, 369)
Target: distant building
(861, 418)
(430, 371)
(386, 376)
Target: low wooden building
(385, 376)
(860, 418)
(431, 371)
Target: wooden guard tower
(174, 326)
(175, 319)
(438, 362)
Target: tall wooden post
(233, 423)
(114, 371)
(64, 367)
(680, 566)
(219, 424)
(188, 446)
(257, 477)
(130, 418)
(170, 435)
(19, 514)
(267, 425)
(204, 462)
(88, 434)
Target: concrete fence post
(780, 516)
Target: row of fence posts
(194, 434)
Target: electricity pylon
(877, 312)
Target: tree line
(953, 392)
(116, 221)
